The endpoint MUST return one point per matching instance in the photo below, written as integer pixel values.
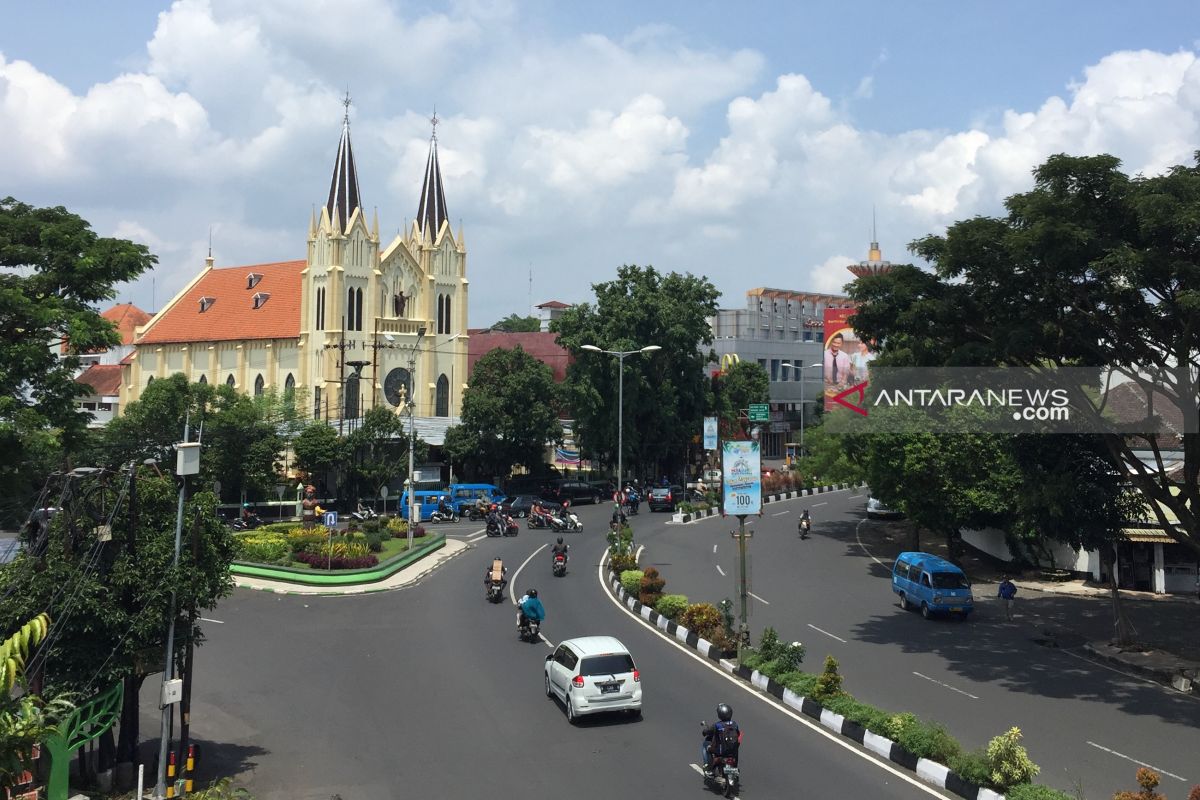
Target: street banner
(846, 357)
(710, 433)
(741, 470)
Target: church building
(351, 326)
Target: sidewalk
(1078, 613)
(405, 577)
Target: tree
(55, 270)
(665, 392)
(745, 382)
(110, 599)
(832, 457)
(509, 416)
(26, 720)
(518, 324)
(319, 450)
(380, 448)
(1089, 268)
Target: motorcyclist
(481, 505)
(493, 518)
(723, 738)
(531, 609)
(805, 523)
(444, 506)
(632, 498)
(559, 549)
(497, 574)
(248, 516)
(618, 518)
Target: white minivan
(594, 674)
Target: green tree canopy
(319, 450)
(380, 450)
(515, 323)
(666, 392)
(1088, 268)
(509, 415)
(54, 270)
(745, 382)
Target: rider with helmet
(497, 574)
(559, 548)
(531, 609)
(722, 739)
(805, 524)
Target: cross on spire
(346, 103)
(434, 122)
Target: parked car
(575, 491)
(519, 506)
(877, 510)
(665, 498)
(592, 675)
(932, 584)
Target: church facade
(353, 326)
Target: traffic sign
(760, 412)
(330, 519)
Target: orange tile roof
(233, 316)
(126, 316)
(542, 346)
(105, 379)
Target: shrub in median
(651, 587)
(929, 740)
(631, 581)
(973, 767)
(319, 561)
(1029, 791)
(264, 548)
(671, 605)
(704, 620)
(868, 716)
(622, 562)
(829, 682)
(778, 657)
(1009, 760)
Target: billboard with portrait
(846, 358)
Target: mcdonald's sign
(728, 360)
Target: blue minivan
(427, 503)
(932, 584)
(463, 495)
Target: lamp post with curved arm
(620, 354)
(798, 368)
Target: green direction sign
(760, 412)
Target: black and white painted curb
(931, 772)
(772, 498)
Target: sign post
(710, 433)
(760, 412)
(279, 490)
(741, 468)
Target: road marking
(720, 570)
(513, 582)
(765, 698)
(700, 770)
(1159, 770)
(638, 555)
(218, 621)
(864, 547)
(714, 549)
(780, 513)
(477, 538)
(1168, 689)
(759, 599)
(827, 633)
(856, 496)
(820, 504)
(946, 685)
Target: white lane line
(945, 685)
(759, 599)
(720, 570)
(864, 547)
(827, 633)
(856, 496)
(780, 513)
(475, 539)
(638, 555)
(218, 621)
(765, 698)
(544, 639)
(699, 769)
(1159, 770)
(820, 504)
(513, 582)
(714, 548)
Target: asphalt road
(427, 692)
(1082, 722)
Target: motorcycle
(364, 515)
(493, 528)
(474, 514)
(511, 528)
(495, 593)
(529, 630)
(723, 775)
(560, 565)
(245, 523)
(567, 522)
(805, 528)
(444, 516)
(537, 521)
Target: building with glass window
(353, 325)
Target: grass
(391, 547)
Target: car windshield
(613, 664)
(949, 580)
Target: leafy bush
(631, 580)
(398, 526)
(1148, 779)
(671, 605)
(277, 527)
(786, 657)
(222, 790)
(929, 740)
(374, 541)
(320, 561)
(299, 539)
(264, 548)
(372, 526)
(620, 542)
(802, 683)
(866, 715)
(704, 620)
(1011, 763)
(895, 725)
(973, 766)
(622, 562)
(829, 682)
(651, 587)
(1030, 791)
(340, 548)
(685, 508)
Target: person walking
(1008, 590)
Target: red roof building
(541, 346)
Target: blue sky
(748, 146)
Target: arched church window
(203, 380)
(358, 309)
(289, 385)
(443, 397)
(448, 325)
(259, 385)
(230, 382)
(317, 402)
(349, 309)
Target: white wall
(991, 541)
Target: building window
(289, 385)
(443, 397)
(106, 406)
(448, 326)
(230, 382)
(317, 403)
(349, 309)
(358, 309)
(259, 384)
(774, 370)
(320, 309)
(203, 380)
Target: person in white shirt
(837, 363)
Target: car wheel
(549, 691)
(572, 717)
(903, 602)
(925, 612)
(636, 713)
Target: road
(1082, 722)
(427, 691)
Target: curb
(775, 498)
(1178, 680)
(928, 771)
(342, 577)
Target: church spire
(343, 189)
(432, 211)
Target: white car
(592, 675)
(876, 509)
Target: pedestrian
(1008, 590)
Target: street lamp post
(620, 354)
(413, 515)
(798, 368)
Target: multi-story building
(354, 324)
(100, 370)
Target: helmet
(495, 507)
(724, 712)
(532, 593)
(560, 540)
(245, 505)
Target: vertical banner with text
(846, 357)
(710, 433)
(741, 469)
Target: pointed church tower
(874, 265)
(432, 211)
(343, 188)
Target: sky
(749, 143)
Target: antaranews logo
(861, 391)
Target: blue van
(932, 584)
(463, 495)
(427, 503)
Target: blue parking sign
(330, 519)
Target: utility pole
(414, 515)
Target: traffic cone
(189, 766)
(170, 774)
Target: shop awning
(1150, 535)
